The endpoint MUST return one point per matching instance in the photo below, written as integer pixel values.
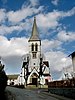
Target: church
(35, 69)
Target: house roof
(72, 54)
(46, 63)
(46, 74)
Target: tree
(3, 78)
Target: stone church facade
(35, 68)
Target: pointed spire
(35, 34)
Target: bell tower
(34, 48)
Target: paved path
(26, 94)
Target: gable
(34, 71)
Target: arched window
(32, 47)
(36, 47)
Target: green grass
(34, 86)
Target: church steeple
(34, 34)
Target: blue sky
(56, 26)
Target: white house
(73, 62)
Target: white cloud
(9, 29)
(19, 15)
(48, 45)
(2, 15)
(56, 63)
(68, 13)
(66, 36)
(34, 2)
(55, 2)
(49, 20)
(14, 46)
(12, 51)
(45, 22)
(55, 57)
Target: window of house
(32, 47)
(34, 55)
(36, 47)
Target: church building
(35, 68)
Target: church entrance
(34, 81)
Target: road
(26, 94)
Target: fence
(63, 87)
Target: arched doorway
(34, 79)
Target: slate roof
(34, 34)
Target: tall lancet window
(32, 47)
(36, 47)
